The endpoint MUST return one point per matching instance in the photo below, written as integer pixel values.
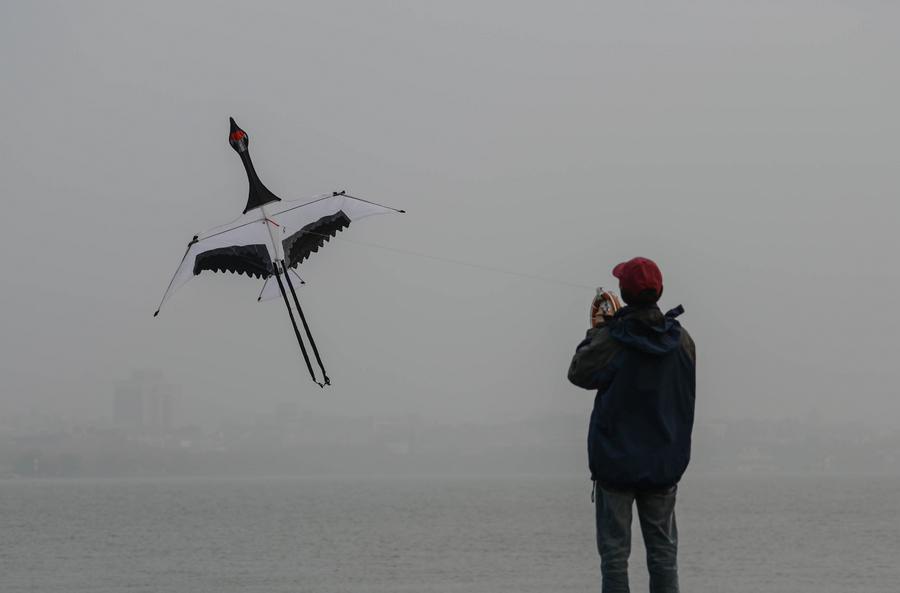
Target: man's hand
(604, 306)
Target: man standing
(641, 362)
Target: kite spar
(271, 239)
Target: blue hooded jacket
(642, 364)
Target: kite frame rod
(172, 281)
(263, 289)
(296, 330)
(345, 194)
(309, 337)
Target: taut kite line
(271, 238)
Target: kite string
(458, 262)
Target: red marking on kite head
(238, 138)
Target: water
(454, 535)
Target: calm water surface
(484, 535)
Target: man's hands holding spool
(604, 306)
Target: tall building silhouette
(144, 402)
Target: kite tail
(296, 331)
(312, 342)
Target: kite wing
(242, 247)
(305, 227)
(245, 246)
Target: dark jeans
(656, 511)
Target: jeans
(656, 511)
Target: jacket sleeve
(688, 344)
(591, 366)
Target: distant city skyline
(285, 440)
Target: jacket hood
(646, 328)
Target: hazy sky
(750, 148)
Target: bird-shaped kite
(271, 238)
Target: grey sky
(749, 147)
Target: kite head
(238, 138)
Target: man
(641, 362)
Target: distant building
(144, 402)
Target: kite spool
(605, 304)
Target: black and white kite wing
(283, 231)
(241, 246)
(304, 227)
